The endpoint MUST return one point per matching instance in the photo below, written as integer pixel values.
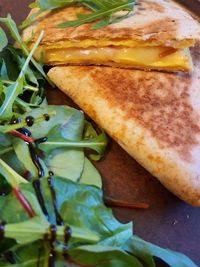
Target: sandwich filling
(160, 58)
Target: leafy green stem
(21, 136)
(12, 177)
(23, 123)
(35, 229)
(97, 144)
(81, 144)
(27, 87)
(22, 200)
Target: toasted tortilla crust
(160, 22)
(154, 116)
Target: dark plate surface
(168, 222)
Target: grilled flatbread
(156, 36)
(154, 116)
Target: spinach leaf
(104, 256)
(90, 175)
(3, 39)
(147, 251)
(71, 121)
(66, 163)
(23, 154)
(81, 208)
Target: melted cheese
(144, 57)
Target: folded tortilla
(156, 36)
(154, 116)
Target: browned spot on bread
(157, 101)
(145, 5)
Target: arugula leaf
(10, 58)
(3, 39)
(104, 11)
(11, 25)
(17, 88)
(52, 4)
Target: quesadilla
(154, 116)
(156, 35)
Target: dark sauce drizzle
(29, 121)
(67, 236)
(33, 153)
(15, 121)
(41, 140)
(38, 191)
(59, 219)
(52, 254)
(36, 160)
(46, 117)
(25, 131)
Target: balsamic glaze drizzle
(46, 117)
(34, 156)
(38, 191)
(51, 173)
(52, 254)
(25, 131)
(59, 219)
(37, 187)
(15, 121)
(29, 121)
(67, 236)
(41, 140)
(36, 160)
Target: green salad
(52, 211)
